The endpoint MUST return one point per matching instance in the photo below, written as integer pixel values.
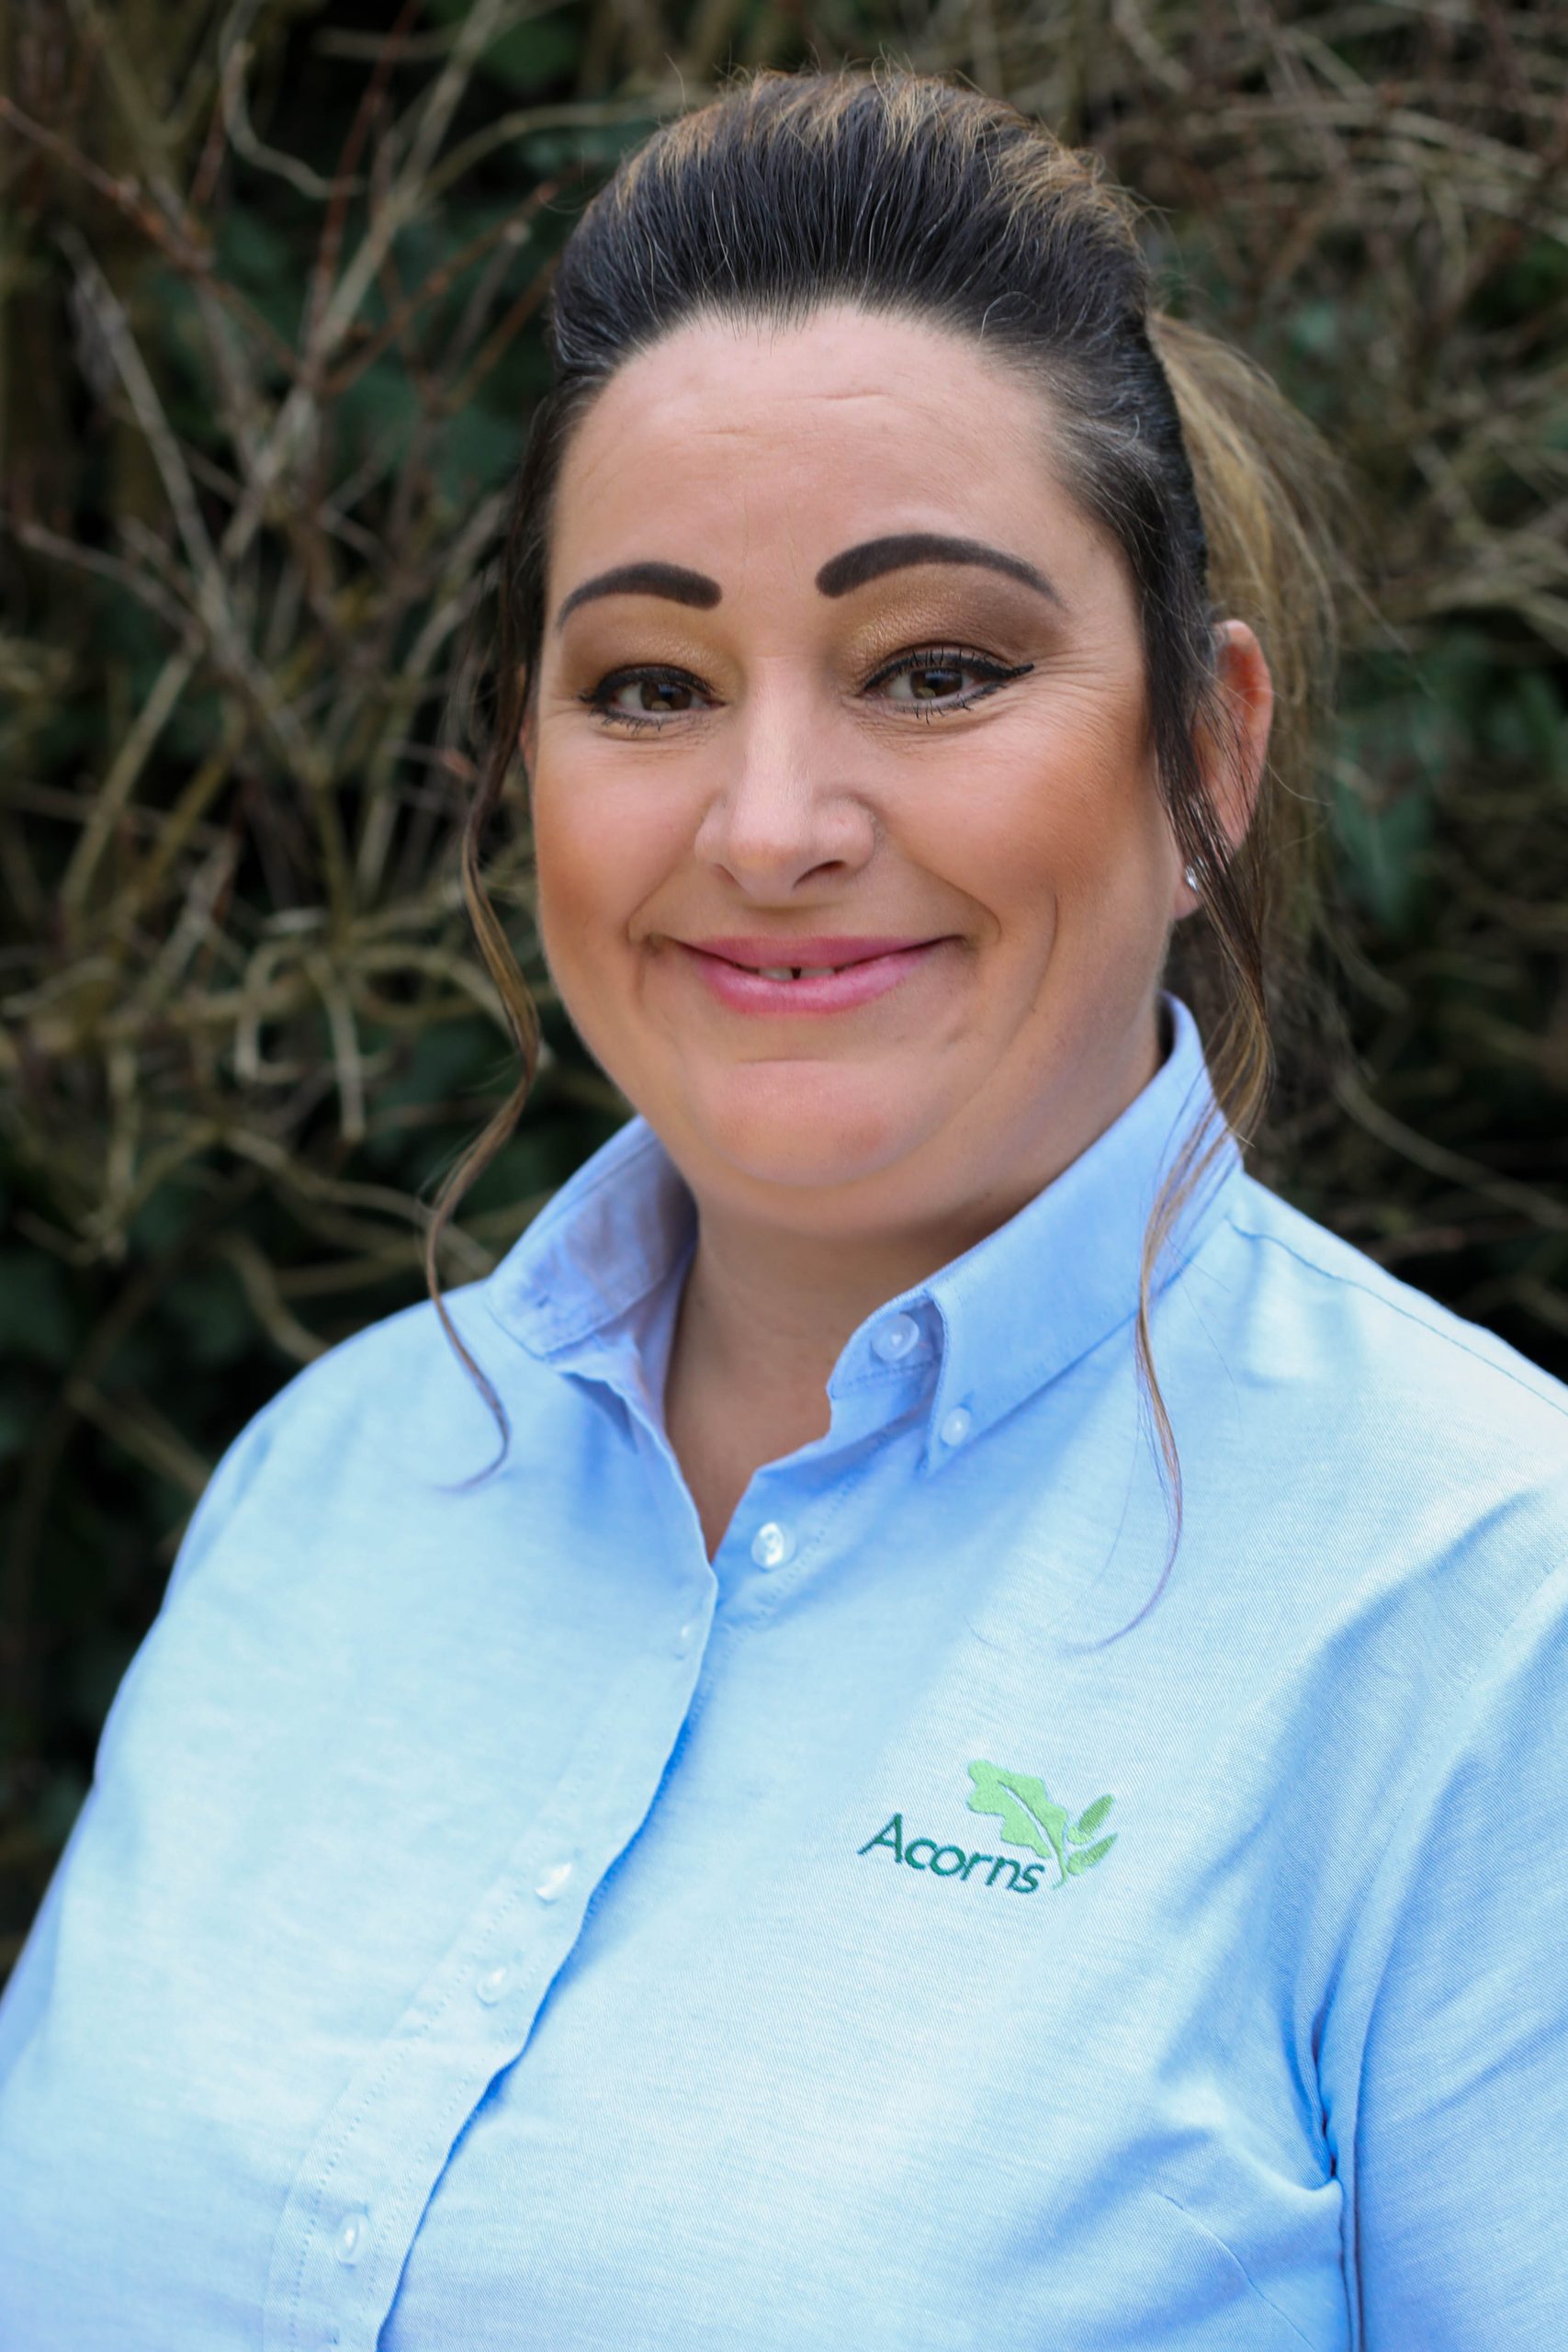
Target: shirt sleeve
(26, 1991)
(1461, 2129)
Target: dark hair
(904, 193)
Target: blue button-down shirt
(492, 1926)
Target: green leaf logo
(1031, 1816)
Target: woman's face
(801, 744)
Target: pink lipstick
(865, 968)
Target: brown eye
(947, 678)
(935, 676)
(652, 697)
(658, 693)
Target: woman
(983, 1767)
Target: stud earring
(1189, 876)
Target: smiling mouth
(796, 971)
(817, 988)
(817, 971)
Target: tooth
(817, 971)
(775, 972)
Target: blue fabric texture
(493, 1926)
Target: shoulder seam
(1331, 1274)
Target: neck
(763, 1320)
(765, 1314)
(767, 1309)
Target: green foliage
(528, 58)
(245, 1029)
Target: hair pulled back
(904, 193)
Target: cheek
(592, 856)
(575, 883)
(561, 854)
(1070, 812)
(559, 876)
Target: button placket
(548, 1885)
(413, 2092)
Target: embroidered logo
(1030, 1817)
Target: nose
(785, 809)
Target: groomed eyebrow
(851, 569)
(646, 579)
(840, 575)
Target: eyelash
(931, 657)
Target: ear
(1234, 755)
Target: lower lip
(746, 991)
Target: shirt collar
(583, 1287)
(1025, 1303)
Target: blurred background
(271, 278)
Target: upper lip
(759, 952)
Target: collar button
(894, 1338)
(956, 1425)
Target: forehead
(727, 425)
(839, 352)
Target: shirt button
(554, 1879)
(896, 1338)
(957, 1426)
(353, 2230)
(493, 1983)
(772, 1544)
(685, 1637)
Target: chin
(798, 1127)
(799, 1170)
